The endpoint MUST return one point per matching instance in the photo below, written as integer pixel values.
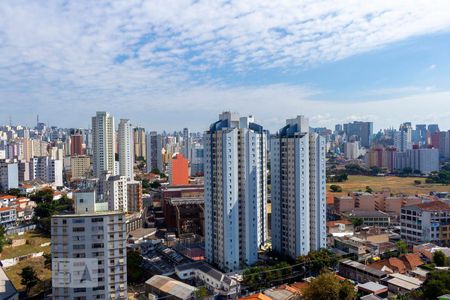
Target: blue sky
(174, 64)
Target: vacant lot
(43, 273)
(397, 185)
(34, 240)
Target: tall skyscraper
(126, 149)
(298, 189)
(403, 137)
(363, 130)
(103, 143)
(186, 144)
(139, 143)
(94, 240)
(154, 151)
(76, 144)
(235, 191)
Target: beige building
(80, 166)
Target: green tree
(156, 171)
(29, 278)
(14, 192)
(439, 258)
(437, 284)
(417, 182)
(155, 184)
(134, 269)
(201, 293)
(369, 190)
(402, 246)
(48, 260)
(357, 222)
(335, 188)
(326, 286)
(347, 291)
(44, 195)
(3, 239)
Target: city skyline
(380, 62)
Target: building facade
(235, 191)
(103, 142)
(99, 236)
(154, 152)
(298, 189)
(426, 222)
(126, 149)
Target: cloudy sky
(171, 64)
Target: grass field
(43, 273)
(34, 240)
(397, 185)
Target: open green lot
(34, 240)
(404, 185)
(43, 273)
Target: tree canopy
(437, 284)
(327, 286)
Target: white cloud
(65, 55)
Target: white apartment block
(235, 191)
(9, 175)
(115, 192)
(47, 170)
(99, 236)
(426, 222)
(298, 189)
(423, 160)
(126, 149)
(103, 144)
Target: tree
(437, 284)
(156, 171)
(134, 269)
(44, 195)
(14, 192)
(335, 188)
(357, 222)
(417, 182)
(327, 286)
(155, 184)
(439, 258)
(48, 260)
(2, 237)
(347, 291)
(402, 246)
(29, 278)
(369, 190)
(201, 293)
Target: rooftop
(7, 289)
(432, 206)
(372, 287)
(171, 286)
(364, 268)
(369, 214)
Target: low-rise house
(401, 284)
(340, 228)
(216, 281)
(359, 272)
(163, 287)
(404, 264)
(373, 288)
(8, 216)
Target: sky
(169, 64)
